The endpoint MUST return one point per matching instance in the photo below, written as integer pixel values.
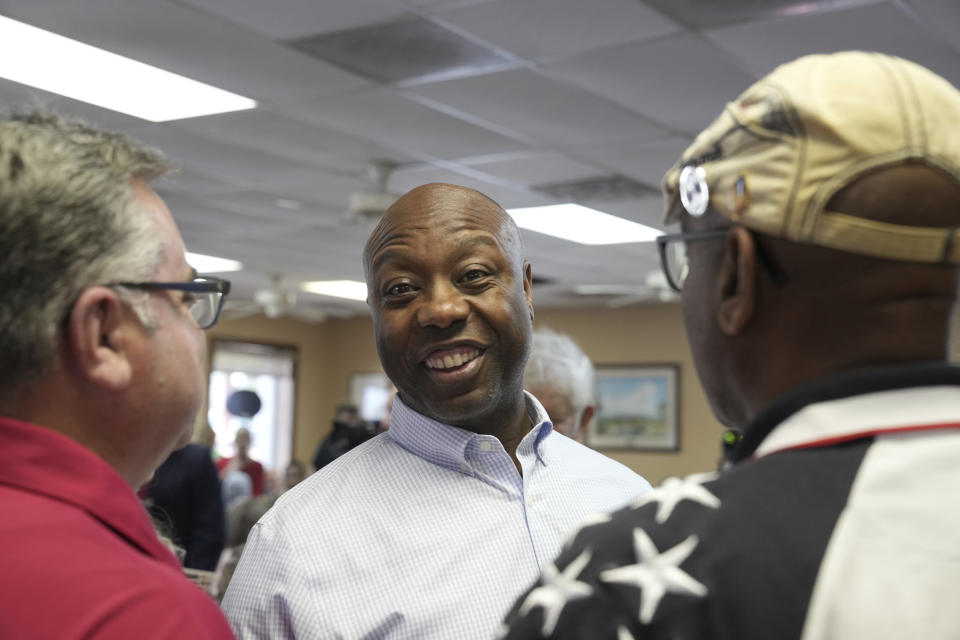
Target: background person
(242, 462)
(185, 492)
(103, 375)
(431, 529)
(560, 375)
(818, 265)
(295, 473)
(348, 431)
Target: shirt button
(485, 446)
(529, 502)
(464, 468)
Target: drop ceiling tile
(312, 186)
(189, 181)
(263, 207)
(260, 257)
(540, 28)
(939, 16)
(648, 211)
(539, 168)
(198, 215)
(286, 19)
(677, 81)
(199, 211)
(228, 163)
(344, 247)
(568, 263)
(440, 4)
(698, 14)
(504, 195)
(274, 133)
(398, 123)
(644, 160)
(539, 108)
(883, 27)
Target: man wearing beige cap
(820, 215)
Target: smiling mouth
(452, 361)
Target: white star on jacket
(656, 574)
(557, 590)
(674, 490)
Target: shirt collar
(795, 407)
(42, 461)
(447, 446)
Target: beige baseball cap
(776, 155)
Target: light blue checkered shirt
(426, 531)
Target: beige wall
(328, 353)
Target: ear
(528, 286)
(737, 282)
(98, 334)
(585, 417)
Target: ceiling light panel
(349, 289)
(212, 264)
(67, 67)
(577, 223)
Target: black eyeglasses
(206, 302)
(673, 256)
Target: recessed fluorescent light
(605, 289)
(51, 62)
(581, 224)
(350, 289)
(212, 264)
(286, 203)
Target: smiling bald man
(431, 529)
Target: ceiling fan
(369, 203)
(278, 300)
(366, 205)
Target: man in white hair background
(560, 375)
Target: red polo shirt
(79, 557)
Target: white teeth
(449, 362)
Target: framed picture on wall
(637, 408)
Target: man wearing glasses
(818, 266)
(103, 373)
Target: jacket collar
(855, 404)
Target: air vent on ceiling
(600, 188)
(404, 49)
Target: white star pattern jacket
(840, 519)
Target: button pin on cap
(694, 193)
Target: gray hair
(68, 221)
(557, 362)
